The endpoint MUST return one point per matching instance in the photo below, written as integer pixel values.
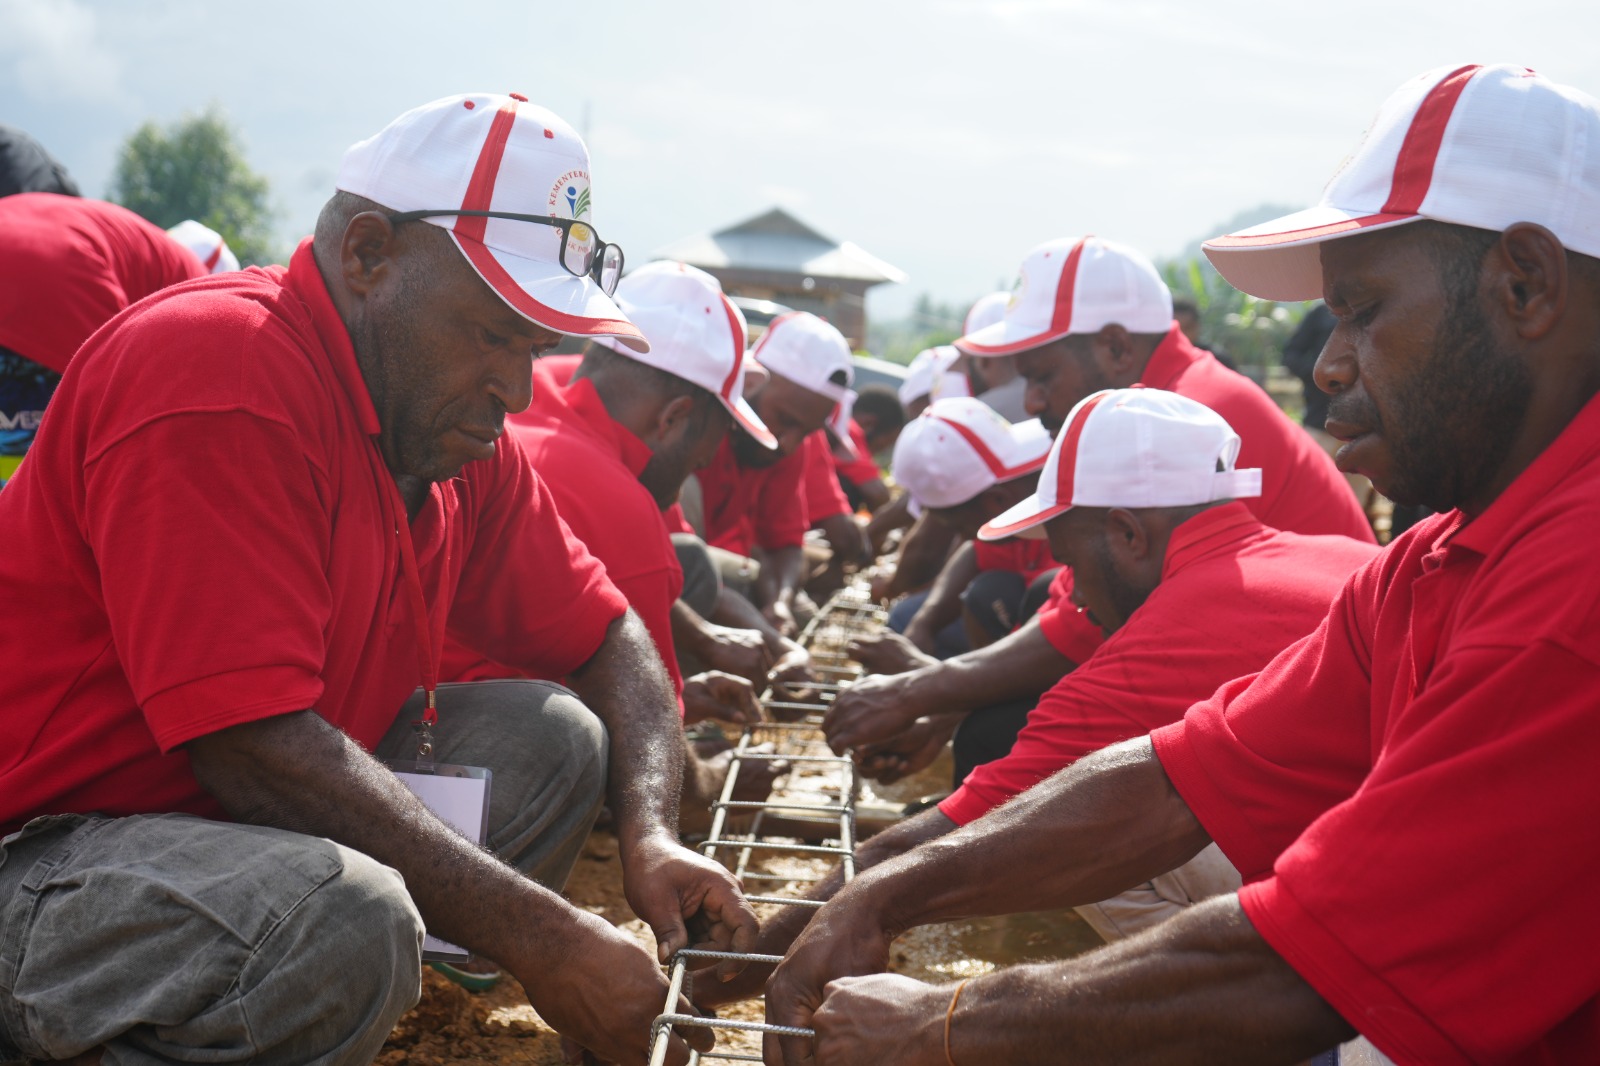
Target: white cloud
(55, 50)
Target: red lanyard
(430, 629)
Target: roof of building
(777, 241)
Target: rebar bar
(828, 786)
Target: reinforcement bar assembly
(817, 792)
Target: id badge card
(458, 796)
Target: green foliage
(1252, 331)
(930, 323)
(195, 168)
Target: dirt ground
(454, 1026)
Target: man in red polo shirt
(1142, 498)
(962, 463)
(755, 497)
(1415, 771)
(199, 833)
(613, 434)
(1092, 314)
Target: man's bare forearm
(1112, 820)
(1201, 988)
(297, 772)
(1021, 665)
(781, 572)
(627, 688)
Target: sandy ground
(454, 1026)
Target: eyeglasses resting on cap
(583, 253)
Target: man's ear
(367, 253)
(673, 416)
(1527, 279)
(1128, 538)
(1114, 352)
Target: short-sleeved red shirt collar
(1172, 357)
(304, 279)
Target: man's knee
(363, 926)
(701, 582)
(568, 728)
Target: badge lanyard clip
(430, 638)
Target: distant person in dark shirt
(1300, 359)
(1187, 314)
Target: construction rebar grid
(813, 799)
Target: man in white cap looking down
(1412, 773)
(1142, 497)
(1001, 387)
(1091, 314)
(962, 464)
(754, 496)
(200, 832)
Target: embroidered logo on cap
(571, 193)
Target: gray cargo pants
(169, 938)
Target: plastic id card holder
(459, 796)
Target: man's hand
(668, 885)
(793, 668)
(605, 994)
(721, 696)
(872, 710)
(865, 1021)
(910, 752)
(889, 652)
(839, 942)
(741, 652)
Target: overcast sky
(946, 136)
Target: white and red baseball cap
(206, 244)
(487, 152)
(929, 374)
(958, 447)
(1480, 146)
(986, 312)
(809, 352)
(1076, 285)
(1133, 448)
(839, 423)
(695, 333)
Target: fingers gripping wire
(810, 812)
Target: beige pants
(1207, 874)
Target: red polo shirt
(749, 506)
(591, 464)
(1410, 792)
(259, 572)
(824, 495)
(1233, 594)
(68, 265)
(1301, 490)
(1030, 558)
(863, 467)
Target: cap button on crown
(518, 96)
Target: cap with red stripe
(1133, 448)
(206, 244)
(1076, 285)
(1480, 146)
(487, 152)
(809, 352)
(695, 333)
(929, 374)
(960, 446)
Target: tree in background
(195, 168)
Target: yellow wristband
(948, 1015)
